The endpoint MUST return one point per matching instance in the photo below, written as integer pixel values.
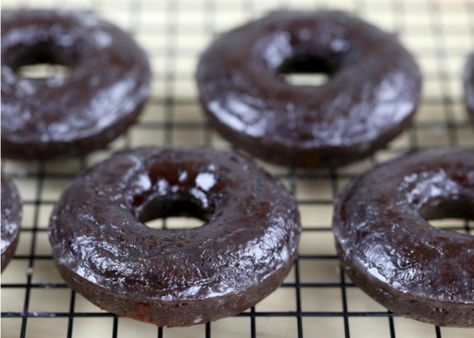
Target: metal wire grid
(441, 122)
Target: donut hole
(449, 214)
(43, 71)
(307, 70)
(42, 62)
(178, 213)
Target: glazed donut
(105, 90)
(469, 87)
(370, 97)
(389, 249)
(11, 219)
(241, 254)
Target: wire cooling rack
(317, 299)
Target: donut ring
(98, 100)
(469, 87)
(370, 98)
(175, 277)
(389, 249)
(11, 219)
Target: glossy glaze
(469, 86)
(11, 219)
(175, 277)
(107, 84)
(389, 249)
(370, 98)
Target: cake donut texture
(370, 97)
(389, 249)
(11, 219)
(241, 253)
(100, 97)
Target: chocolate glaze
(389, 249)
(175, 277)
(371, 96)
(102, 95)
(469, 87)
(11, 219)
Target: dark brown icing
(389, 249)
(371, 96)
(102, 95)
(469, 86)
(11, 219)
(175, 277)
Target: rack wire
(317, 299)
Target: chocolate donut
(389, 249)
(102, 95)
(241, 254)
(469, 86)
(11, 219)
(370, 97)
